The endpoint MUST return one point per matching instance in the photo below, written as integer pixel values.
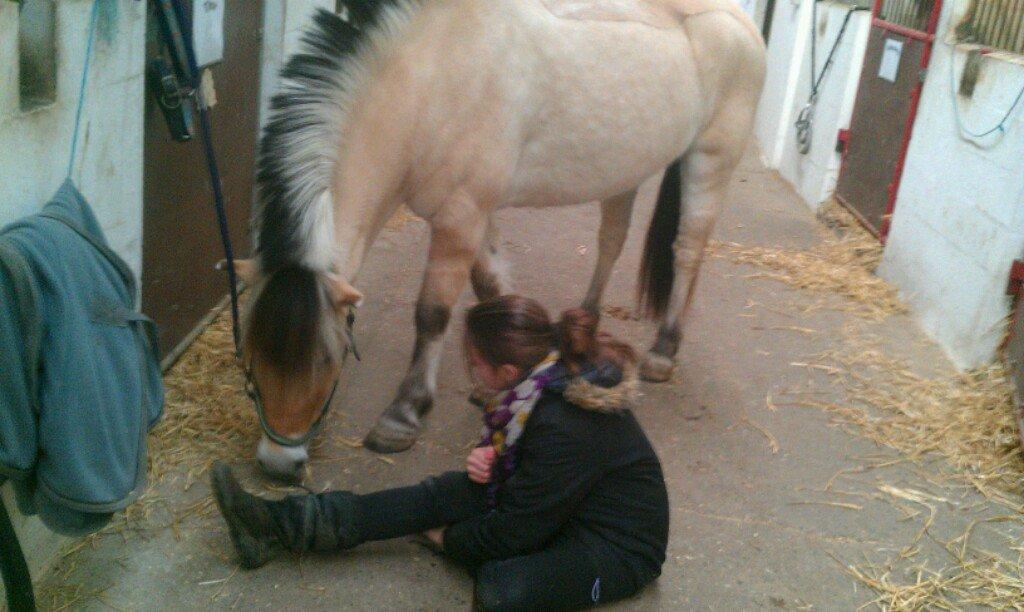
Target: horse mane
(293, 216)
(289, 322)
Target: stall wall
(36, 144)
(788, 89)
(959, 218)
(34, 148)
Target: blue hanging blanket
(80, 381)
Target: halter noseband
(257, 400)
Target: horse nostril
(298, 466)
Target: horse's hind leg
(615, 217)
(456, 236)
(489, 275)
(706, 172)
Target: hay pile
(842, 263)
(207, 415)
(974, 579)
(966, 419)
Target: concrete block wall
(34, 149)
(959, 218)
(788, 87)
(36, 144)
(787, 44)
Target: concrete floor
(743, 533)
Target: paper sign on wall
(891, 55)
(208, 31)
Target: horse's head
(296, 335)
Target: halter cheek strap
(254, 394)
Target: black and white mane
(293, 215)
(288, 323)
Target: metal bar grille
(998, 24)
(911, 14)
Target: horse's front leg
(615, 218)
(456, 235)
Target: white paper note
(208, 31)
(891, 55)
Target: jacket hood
(601, 387)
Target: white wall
(814, 174)
(283, 24)
(788, 87)
(787, 43)
(34, 149)
(34, 146)
(959, 217)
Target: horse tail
(657, 271)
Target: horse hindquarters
(694, 188)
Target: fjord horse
(456, 108)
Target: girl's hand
(436, 536)
(479, 463)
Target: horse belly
(614, 103)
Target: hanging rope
(181, 43)
(963, 131)
(805, 120)
(93, 18)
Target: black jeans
(573, 571)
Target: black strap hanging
(176, 28)
(805, 121)
(17, 580)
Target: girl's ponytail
(580, 343)
(517, 330)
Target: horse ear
(245, 269)
(343, 294)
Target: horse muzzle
(285, 463)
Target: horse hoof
(656, 368)
(387, 439)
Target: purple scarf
(504, 420)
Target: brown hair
(517, 330)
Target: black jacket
(585, 465)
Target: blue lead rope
(93, 17)
(966, 133)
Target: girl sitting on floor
(563, 503)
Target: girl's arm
(556, 472)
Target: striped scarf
(504, 420)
